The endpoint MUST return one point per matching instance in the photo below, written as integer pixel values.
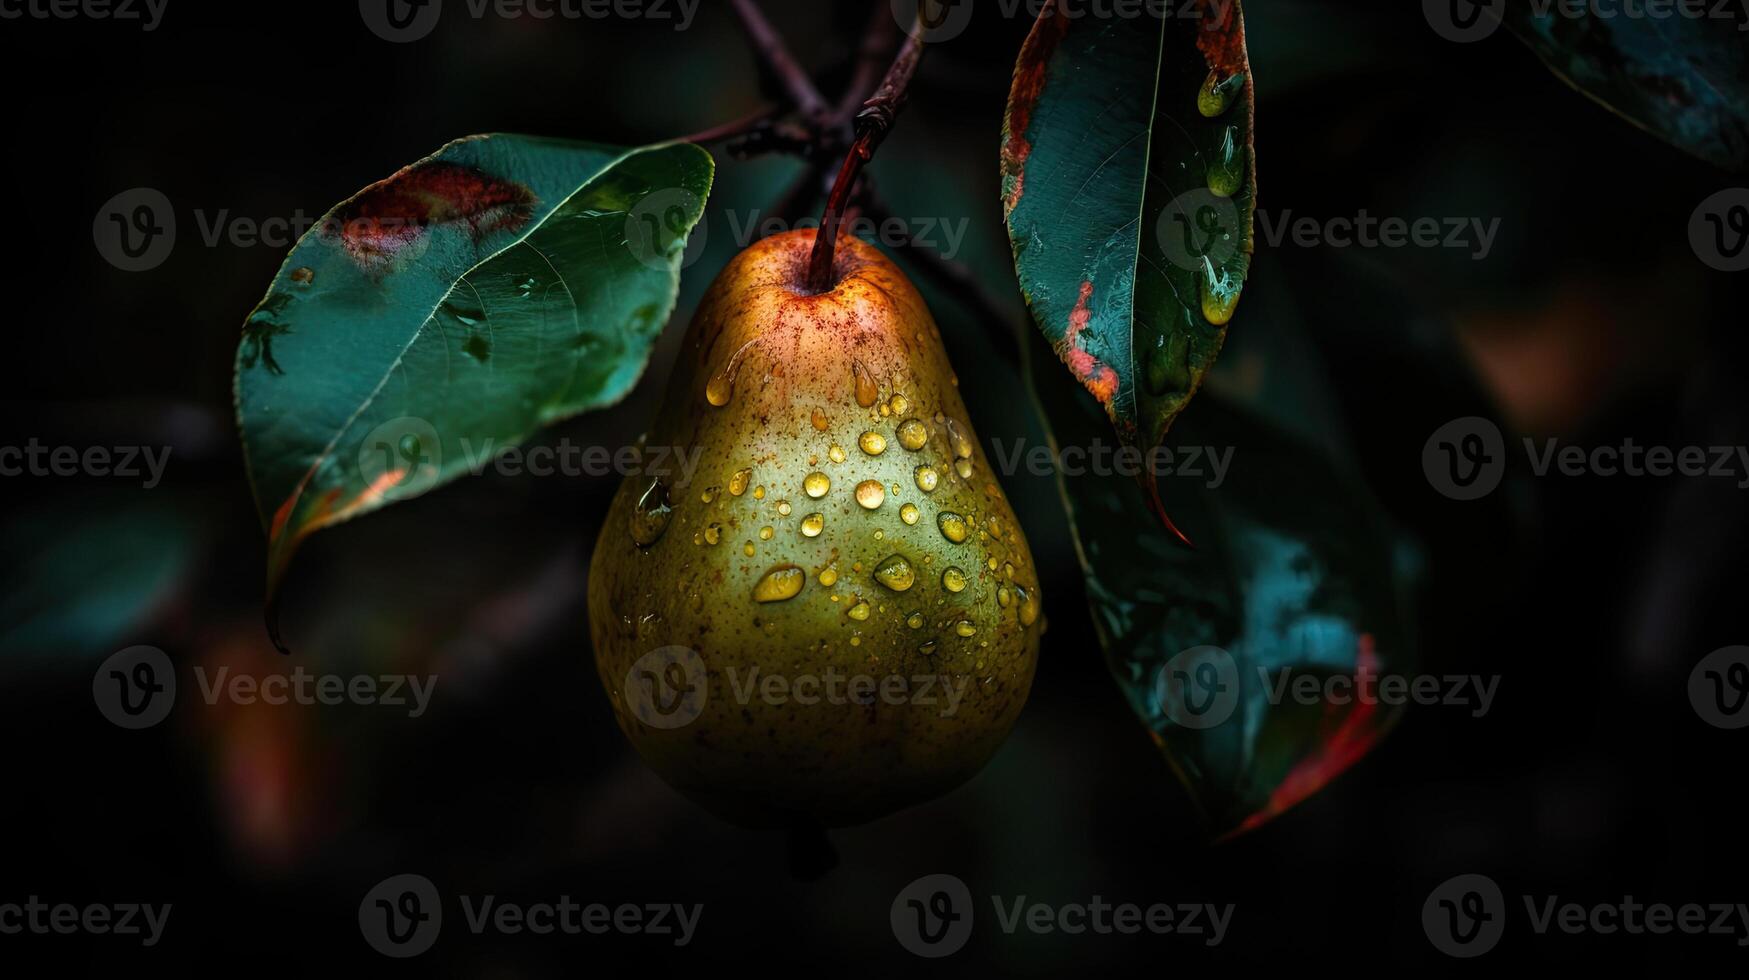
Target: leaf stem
(873, 123)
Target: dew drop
(739, 482)
(1226, 173)
(829, 576)
(927, 648)
(1218, 94)
(783, 508)
(747, 549)
(898, 404)
(957, 438)
(709, 494)
(651, 514)
(820, 420)
(913, 434)
(858, 612)
(953, 580)
(927, 479)
(816, 485)
(713, 534)
(812, 525)
(720, 390)
(836, 454)
(872, 443)
(910, 514)
(963, 467)
(780, 583)
(766, 533)
(1219, 295)
(915, 621)
(1004, 596)
(895, 572)
(870, 494)
(1028, 606)
(866, 389)
(953, 526)
(965, 628)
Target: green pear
(837, 616)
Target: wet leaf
(1129, 187)
(445, 314)
(1685, 79)
(1294, 578)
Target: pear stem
(872, 125)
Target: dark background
(1591, 598)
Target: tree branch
(877, 40)
(872, 125)
(771, 49)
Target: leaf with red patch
(1296, 578)
(1129, 189)
(448, 312)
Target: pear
(837, 616)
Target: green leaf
(1685, 79)
(1293, 572)
(446, 313)
(1129, 186)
